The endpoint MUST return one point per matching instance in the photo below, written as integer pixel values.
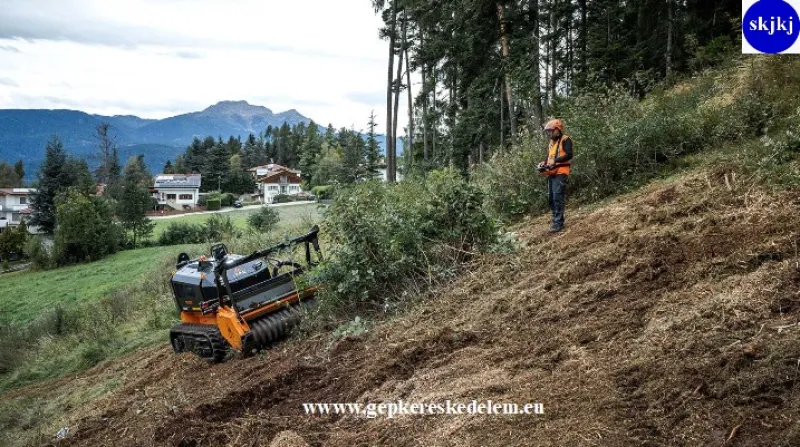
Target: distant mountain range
(24, 133)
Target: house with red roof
(274, 179)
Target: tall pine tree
(135, 200)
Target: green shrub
(716, 52)
(384, 234)
(183, 233)
(263, 221)
(14, 348)
(12, 241)
(37, 253)
(85, 230)
(283, 198)
(510, 181)
(204, 198)
(213, 204)
(323, 192)
(220, 227)
(227, 199)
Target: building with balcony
(261, 172)
(14, 206)
(177, 191)
(280, 182)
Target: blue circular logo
(771, 26)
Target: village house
(285, 182)
(259, 172)
(14, 206)
(177, 191)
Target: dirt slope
(666, 317)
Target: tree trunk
(547, 44)
(670, 25)
(608, 41)
(397, 102)
(390, 149)
(425, 153)
(570, 51)
(502, 121)
(410, 107)
(435, 114)
(553, 48)
(537, 80)
(506, 63)
(451, 111)
(582, 37)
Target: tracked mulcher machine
(240, 302)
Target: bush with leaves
(38, 254)
(85, 229)
(323, 192)
(385, 234)
(220, 227)
(227, 199)
(12, 241)
(183, 233)
(264, 220)
(213, 204)
(205, 197)
(283, 198)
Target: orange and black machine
(245, 303)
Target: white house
(177, 191)
(279, 182)
(14, 206)
(259, 172)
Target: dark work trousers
(557, 197)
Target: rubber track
(218, 346)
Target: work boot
(556, 228)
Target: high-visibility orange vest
(555, 150)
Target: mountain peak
(242, 108)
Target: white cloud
(160, 58)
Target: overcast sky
(160, 58)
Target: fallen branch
(787, 326)
(732, 435)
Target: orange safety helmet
(554, 124)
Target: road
(228, 210)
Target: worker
(556, 169)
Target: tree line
(92, 213)
(89, 214)
(323, 157)
(12, 176)
(487, 69)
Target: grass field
(290, 216)
(27, 294)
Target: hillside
(24, 133)
(658, 318)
